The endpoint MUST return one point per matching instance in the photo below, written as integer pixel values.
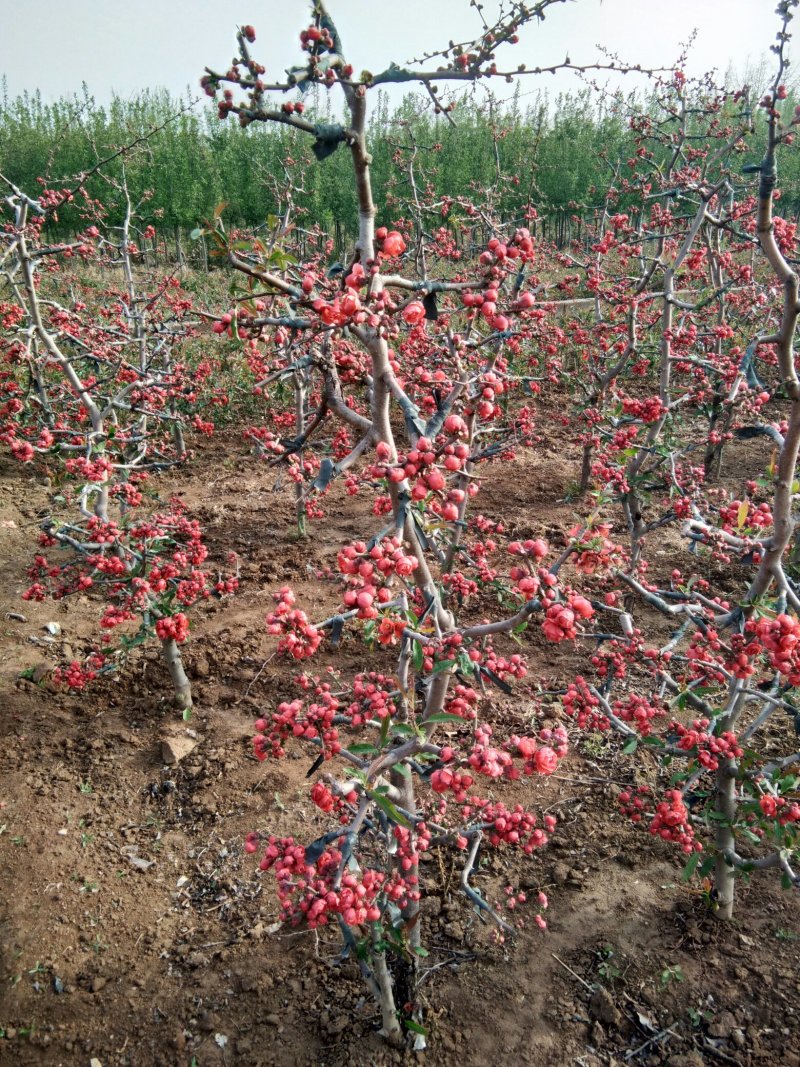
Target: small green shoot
(672, 974)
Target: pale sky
(127, 45)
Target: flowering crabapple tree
(706, 696)
(93, 391)
(412, 359)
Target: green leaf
(281, 259)
(690, 867)
(133, 642)
(417, 656)
(362, 750)
(465, 664)
(630, 745)
(707, 866)
(385, 724)
(443, 665)
(415, 1027)
(389, 809)
(444, 716)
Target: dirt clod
(602, 1007)
(176, 747)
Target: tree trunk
(183, 690)
(725, 808)
(180, 259)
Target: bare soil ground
(134, 929)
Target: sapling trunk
(725, 809)
(586, 468)
(720, 417)
(404, 784)
(300, 391)
(177, 425)
(179, 256)
(724, 842)
(712, 458)
(391, 1028)
(406, 966)
(180, 683)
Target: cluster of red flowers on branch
(312, 892)
(299, 638)
(671, 820)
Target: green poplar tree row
(555, 156)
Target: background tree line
(557, 156)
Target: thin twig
(656, 1037)
(258, 675)
(567, 967)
